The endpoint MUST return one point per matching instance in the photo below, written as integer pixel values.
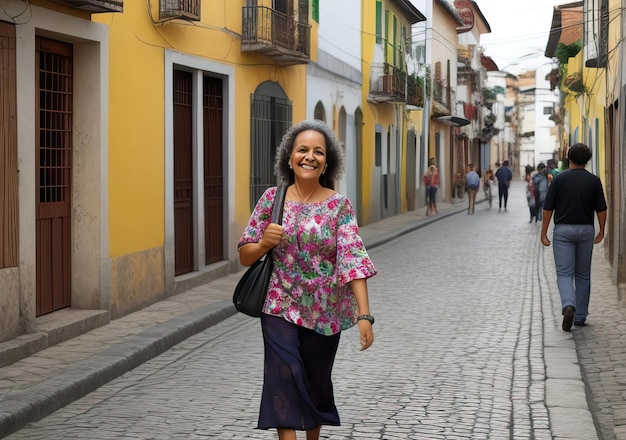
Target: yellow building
(582, 79)
(386, 31)
(53, 219)
(200, 98)
(155, 125)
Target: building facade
(54, 137)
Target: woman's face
(308, 155)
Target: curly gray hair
(334, 154)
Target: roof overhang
(567, 26)
(452, 11)
(410, 11)
(489, 64)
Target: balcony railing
(468, 76)
(95, 5)
(275, 34)
(183, 9)
(387, 84)
(414, 91)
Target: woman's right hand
(272, 236)
(251, 252)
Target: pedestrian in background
(574, 196)
(504, 176)
(530, 198)
(540, 185)
(488, 185)
(318, 285)
(431, 181)
(459, 184)
(472, 182)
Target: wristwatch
(370, 318)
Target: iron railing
(185, 9)
(268, 30)
(388, 83)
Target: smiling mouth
(307, 167)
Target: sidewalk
(34, 387)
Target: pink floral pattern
(320, 253)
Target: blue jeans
(573, 248)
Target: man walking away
(574, 195)
(504, 176)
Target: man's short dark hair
(579, 153)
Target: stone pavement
(38, 385)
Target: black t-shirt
(574, 195)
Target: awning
(452, 120)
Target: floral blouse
(320, 253)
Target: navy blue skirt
(297, 387)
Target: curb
(86, 376)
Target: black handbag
(251, 290)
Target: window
(319, 113)
(283, 6)
(271, 116)
(547, 110)
(379, 21)
(378, 149)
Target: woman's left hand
(367, 334)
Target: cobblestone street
(465, 308)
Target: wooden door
(9, 212)
(183, 173)
(213, 108)
(53, 174)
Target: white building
(546, 135)
(334, 80)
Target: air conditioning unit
(183, 9)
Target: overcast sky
(519, 32)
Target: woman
(318, 287)
(431, 181)
(472, 182)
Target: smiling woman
(318, 285)
(325, 138)
(308, 163)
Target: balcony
(183, 9)
(387, 84)
(415, 91)
(468, 76)
(277, 35)
(95, 5)
(441, 97)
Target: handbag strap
(279, 204)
